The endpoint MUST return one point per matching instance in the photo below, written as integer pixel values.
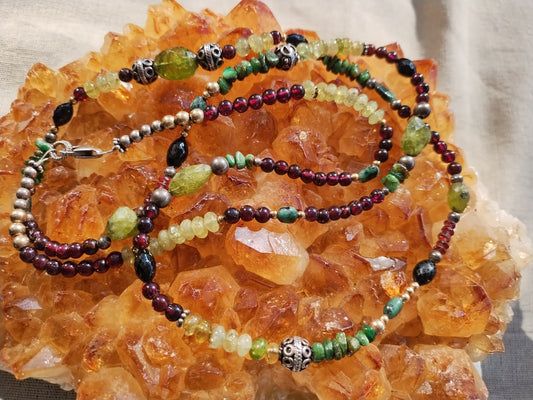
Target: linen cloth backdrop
(484, 50)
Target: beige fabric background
(484, 49)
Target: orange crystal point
(100, 336)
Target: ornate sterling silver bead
(143, 71)
(288, 56)
(209, 56)
(295, 353)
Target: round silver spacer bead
(103, 242)
(288, 56)
(197, 116)
(30, 172)
(456, 178)
(209, 56)
(182, 118)
(378, 326)
(18, 215)
(140, 211)
(21, 204)
(23, 193)
(17, 228)
(21, 241)
(157, 126)
(29, 216)
(170, 172)
(454, 216)
(135, 136)
(405, 297)
(396, 104)
(371, 83)
(219, 165)
(354, 177)
(161, 197)
(212, 88)
(27, 183)
(146, 130)
(410, 290)
(384, 319)
(422, 110)
(50, 137)
(295, 353)
(385, 191)
(435, 256)
(168, 122)
(257, 161)
(407, 161)
(125, 141)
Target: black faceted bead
(406, 67)
(177, 152)
(144, 265)
(424, 272)
(62, 114)
(295, 39)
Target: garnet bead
(173, 312)
(448, 156)
(366, 203)
(345, 179)
(381, 155)
(417, 78)
(422, 88)
(356, 207)
(255, 101)
(281, 167)
(381, 52)
(211, 113)
(297, 92)
(125, 75)
(392, 57)
(75, 250)
(68, 269)
(385, 132)
(334, 213)
(322, 216)
(160, 302)
(311, 214)
(145, 225)
(454, 168)
(90, 246)
(377, 196)
(39, 262)
(440, 147)
(307, 176)
(85, 268)
(320, 179)
(150, 290)
(269, 97)
(345, 212)
(262, 214)
(27, 254)
(267, 165)
(247, 213)
(283, 95)
(114, 259)
(51, 248)
(276, 36)
(404, 112)
(332, 178)
(101, 266)
(232, 215)
(240, 104)
(53, 267)
(225, 108)
(61, 251)
(79, 94)
(228, 52)
(141, 241)
(294, 171)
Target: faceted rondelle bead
(295, 353)
(424, 272)
(189, 180)
(176, 63)
(144, 265)
(122, 224)
(244, 344)
(190, 324)
(177, 152)
(218, 334)
(258, 348)
(458, 197)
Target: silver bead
(168, 122)
(219, 165)
(197, 116)
(21, 241)
(396, 104)
(454, 217)
(27, 183)
(29, 216)
(295, 353)
(209, 56)
(50, 137)
(378, 326)
(161, 197)
(409, 290)
(170, 172)
(288, 56)
(146, 130)
(21, 204)
(422, 110)
(435, 256)
(385, 191)
(23, 193)
(140, 211)
(17, 228)
(212, 88)
(135, 136)
(54, 129)
(30, 172)
(157, 126)
(405, 297)
(18, 215)
(143, 71)
(456, 178)
(182, 118)
(125, 141)
(103, 242)
(371, 83)
(257, 161)
(407, 161)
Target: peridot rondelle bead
(176, 63)
(259, 348)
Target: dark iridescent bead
(322, 216)
(151, 211)
(160, 302)
(381, 155)
(232, 215)
(404, 111)
(177, 152)
(173, 312)
(53, 267)
(39, 262)
(247, 213)
(68, 269)
(385, 144)
(85, 268)
(150, 289)
(144, 265)
(424, 272)
(295, 39)
(27, 254)
(90, 246)
(385, 132)
(62, 114)
(406, 67)
(262, 214)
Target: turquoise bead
(337, 352)
(199, 102)
(231, 160)
(353, 345)
(393, 307)
(287, 215)
(341, 338)
(240, 160)
(368, 173)
(363, 77)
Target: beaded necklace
(295, 353)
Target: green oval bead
(43, 145)
(258, 349)
(385, 93)
(415, 137)
(231, 160)
(176, 63)
(319, 353)
(122, 224)
(458, 197)
(368, 173)
(393, 307)
(287, 215)
(240, 160)
(189, 180)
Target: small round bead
(173, 311)
(89, 246)
(27, 254)
(232, 215)
(228, 52)
(294, 171)
(366, 203)
(219, 165)
(262, 214)
(240, 104)
(407, 161)
(320, 179)
(145, 225)
(211, 113)
(85, 268)
(267, 165)
(197, 116)
(405, 297)
(381, 155)
(103, 242)
(150, 290)
(75, 250)
(247, 213)
(322, 216)
(283, 95)
(17, 228)
(255, 101)
(21, 241)
(182, 118)
(114, 259)
(68, 269)
(311, 214)
(135, 136)
(396, 104)
(334, 213)
(456, 178)
(39, 262)
(168, 122)
(454, 217)
(332, 178)
(448, 156)
(281, 167)
(378, 326)
(404, 111)
(422, 88)
(307, 176)
(157, 126)
(125, 75)
(160, 302)
(269, 97)
(212, 88)
(297, 92)
(50, 137)
(435, 256)
(17, 215)
(225, 108)
(454, 168)
(125, 141)
(424, 272)
(422, 110)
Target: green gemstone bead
(287, 215)
(353, 345)
(400, 169)
(328, 349)
(368, 173)
(122, 224)
(262, 60)
(385, 93)
(340, 45)
(341, 338)
(199, 102)
(361, 337)
(336, 68)
(256, 65)
(363, 77)
(344, 66)
(319, 353)
(458, 197)
(271, 59)
(247, 67)
(231, 160)
(241, 72)
(240, 161)
(189, 180)
(42, 145)
(391, 182)
(229, 74)
(249, 159)
(369, 332)
(393, 307)
(416, 136)
(258, 349)
(353, 71)
(225, 86)
(337, 352)
(176, 63)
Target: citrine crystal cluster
(98, 334)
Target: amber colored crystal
(99, 335)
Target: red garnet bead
(404, 111)
(160, 302)
(332, 178)
(334, 213)
(79, 94)
(255, 101)
(311, 214)
(262, 214)
(90, 246)
(53, 267)
(283, 95)
(232, 215)
(114, 259)
(68, 269)
(39, 262)
(448, 156)
(228, 52)
(345, 212)
(297, 92)
(75, 250)
(307, 176)
(366, 203)
(276, 36)
(356, 207)
(377, 196)
(320, 179)
(173, 312)
(141, 241)
(150, 290)
(85, 268)
(281, 167)
(269, 97)
(240, 104)
(40, 243)
(51, 248)
(101, 266)
(322, 216)
(385, 132)
(27, 254)
(267, 165)
(454, 168)
(247, 213)
(211, 113)
(225, 108)
(294, 171)
(345, 179)
(381, 52)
